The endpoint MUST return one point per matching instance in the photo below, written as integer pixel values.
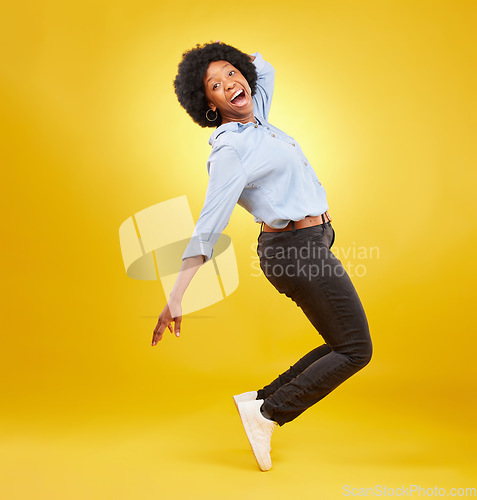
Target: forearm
(189, 267)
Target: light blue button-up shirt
(259, 167)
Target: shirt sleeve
(227, 180)
(262, 99)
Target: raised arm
(262, 99)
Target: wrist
(175, 297)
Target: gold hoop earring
(207, 115)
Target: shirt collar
(232, 126)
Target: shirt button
(255, 126)
(293, 144)
(306, 163)
(273, 135)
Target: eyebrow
(224, 66)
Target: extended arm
(173, 311)
(227, 180)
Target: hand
(172, 312)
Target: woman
(256, 165)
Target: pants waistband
(299, 224)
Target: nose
(229, 84)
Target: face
(227, 90)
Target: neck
(247, 119)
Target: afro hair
(188, 83)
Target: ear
(212, 106)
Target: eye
(214, 86)
(231, 72)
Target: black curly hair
(188, 83)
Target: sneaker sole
(246, 425)
(236, 403)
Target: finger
(157, 335)
(170, 327)
(156, 338)
(177, 325)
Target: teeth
(236, 94)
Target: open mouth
(239, 98)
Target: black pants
(300, 264)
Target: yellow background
(381, 97)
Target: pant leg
(294, 371)
(300, 365)
(302, 266)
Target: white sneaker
(246, 396)
(259, 431)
